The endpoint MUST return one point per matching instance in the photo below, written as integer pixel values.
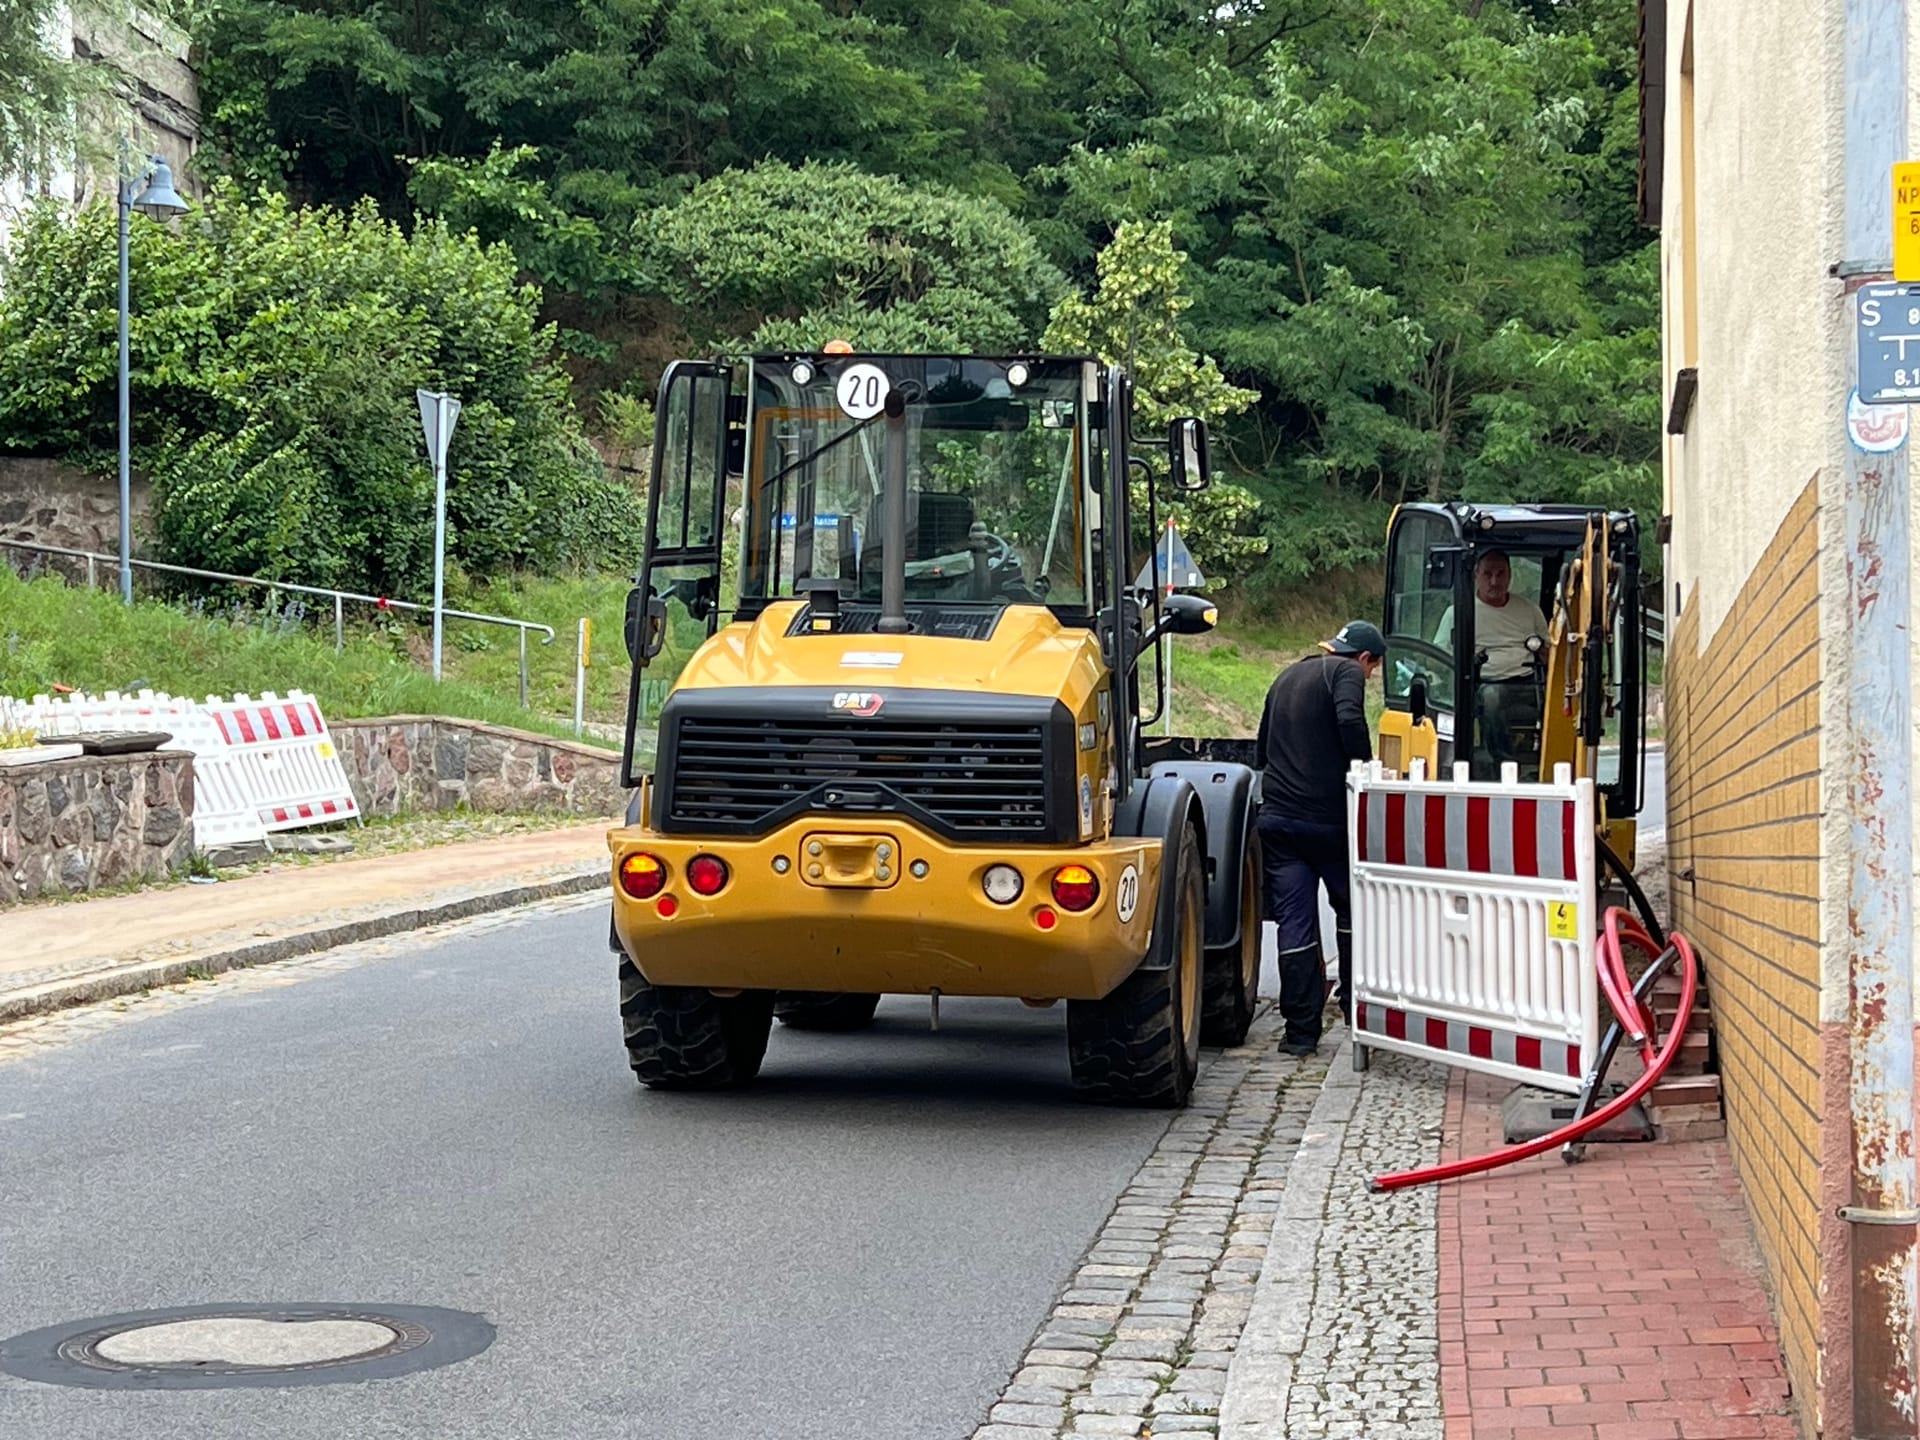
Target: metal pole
(523, 667)
(1879, 753)
(1166, 720)
(440, 535)
(126, 404)
(339, 625)
(580, 662)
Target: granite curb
(1260, 1379)
(131, 977)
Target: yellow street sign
(1906, 221)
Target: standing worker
(1313, 728)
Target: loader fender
(1157, 808)
(1229, 797)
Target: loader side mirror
(1189, 464)
(1417, 705)
(1183, 615)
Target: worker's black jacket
(1313, 727)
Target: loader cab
(1454, 692)
(940, 496)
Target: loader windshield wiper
(815, 454)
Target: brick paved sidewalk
(53, 955)
(1619, 1299)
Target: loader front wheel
(685, 1038)
(1233, 971)
(809, 1010)
(1141, 1044)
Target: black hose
(1632, 886)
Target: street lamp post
(158, 199)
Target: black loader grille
(973, 780)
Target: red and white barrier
(259, 765)
(224, 812)
(1474, 911)
(292, 768)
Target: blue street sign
(1889, 344)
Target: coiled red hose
(1618, 929)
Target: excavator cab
(1514, 637)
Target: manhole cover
(206, 1347)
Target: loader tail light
(707, 874)
(643, 876)
(1075, 888)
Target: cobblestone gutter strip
(114, 981)
(1343, 1336)
(1140, 1341)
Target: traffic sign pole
(439, 412)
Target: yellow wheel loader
(1574, 696)
(903, 752)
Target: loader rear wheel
(685, 1038)
(810, 1010)
(1141, 1045)
(1233, 971)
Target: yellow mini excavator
(1467, 681)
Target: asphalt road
(858, 1249)
(1653, 806)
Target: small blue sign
(1889, 344)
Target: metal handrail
(339, 597)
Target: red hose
(1611, 963)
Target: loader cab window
(997, 472)
(1420, 596)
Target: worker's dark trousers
(1299, 860)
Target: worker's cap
(1359, 637)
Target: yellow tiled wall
(1743, 736)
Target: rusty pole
(1881, 1218)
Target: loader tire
(1141, 1044)
(1232, 987)
(685, 1038)
(811, 1010)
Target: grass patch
(53, 634)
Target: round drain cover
(206, 1347)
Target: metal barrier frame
(339, 597)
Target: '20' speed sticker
(862, 391)
(1126, 895)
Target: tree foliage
(791, 257)
(1408, 224)
(1133, 318)
(276, 355)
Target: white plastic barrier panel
(290, 765)
(1473, 923)
(223, 814)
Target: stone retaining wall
(424, 762)
(68, 826)
(55, 504)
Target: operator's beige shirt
(1502, 631)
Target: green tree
(789, 257)
(1133, 318)
(277, 351)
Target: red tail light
(707, 874)
(643, 876)
(1075, 888)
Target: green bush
(276, 352)
(794, 257)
